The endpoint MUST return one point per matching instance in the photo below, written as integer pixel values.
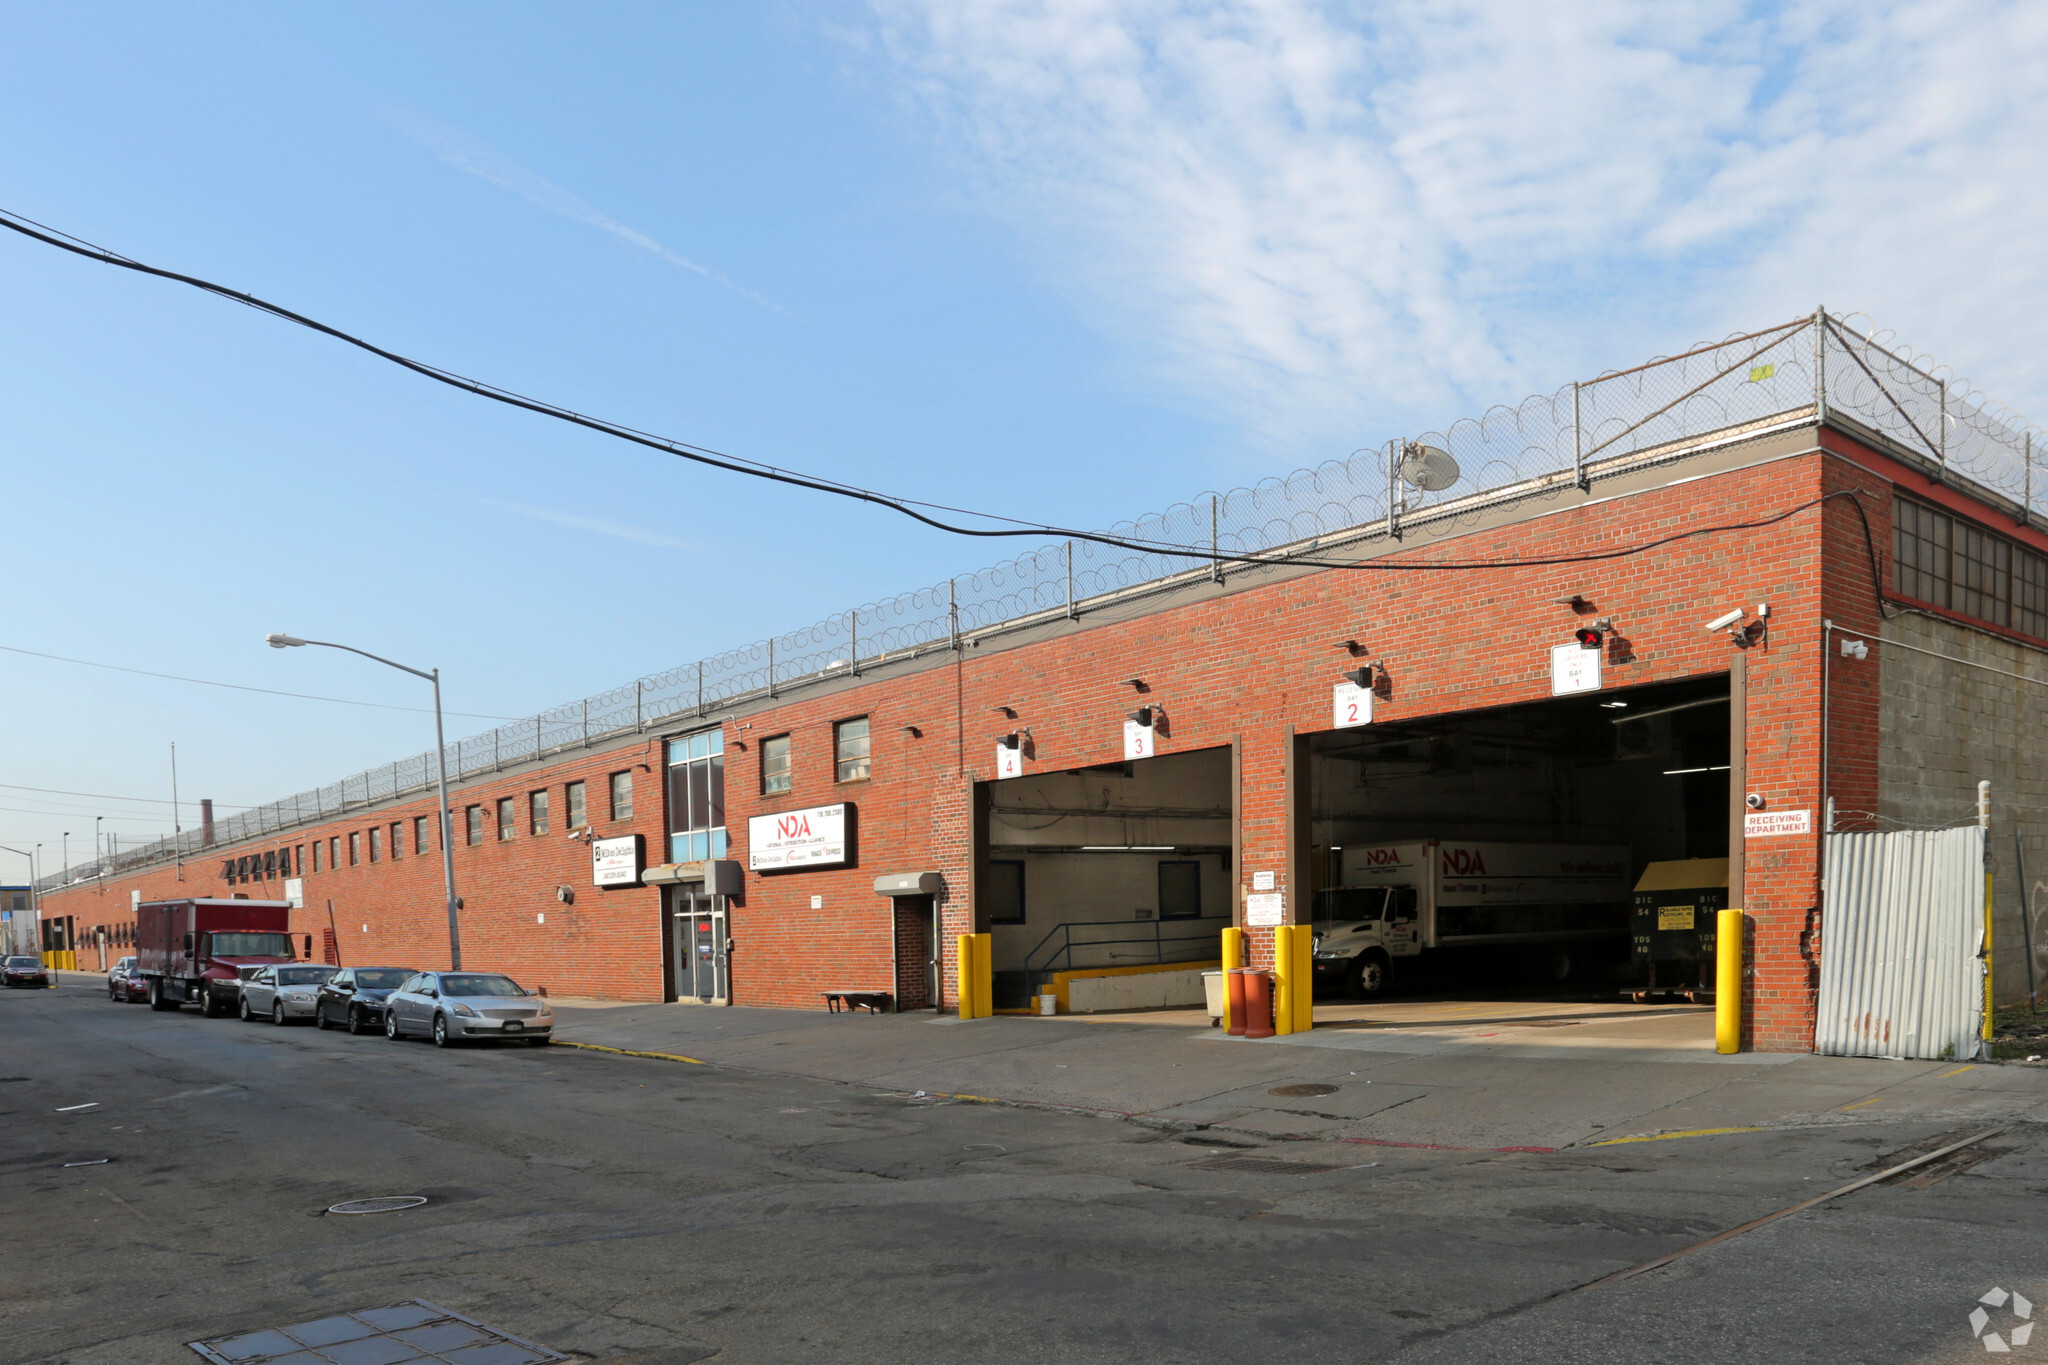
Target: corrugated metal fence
(1901, 967)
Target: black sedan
(353, 998)
(23, 970)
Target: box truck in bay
(1548, 906)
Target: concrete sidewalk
(1492, 1084)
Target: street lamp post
(279, 640)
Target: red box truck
(194, 952)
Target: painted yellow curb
(628, 1052)
(1666, 1137)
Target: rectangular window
(696, 797)
(355, 849)
(376, 844)
(622, 795)
(850, 749)
(316, 855)
(300, 862)
(1965, 568)
(1006, 892)
(419, 834)
(334, 853)
(775, 775)
(508, 818)
(573, 799)
(397, 839)
(537, 806)
(1180, 890)
(473, 825)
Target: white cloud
(619, 530)
(1334, 219)
(473, 157)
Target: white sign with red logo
(1764, 824)
(1137, 740)
(615, 862)
(797, 838)
(1350, 705)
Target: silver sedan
(451, 1007)
(282, 994)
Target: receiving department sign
(816, 837)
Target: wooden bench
(874, 1002)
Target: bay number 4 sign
(1352, 704)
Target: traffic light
(1589, 637)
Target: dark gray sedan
(354, 997)
(450, 1007)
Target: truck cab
(1360, 930)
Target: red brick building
(836, 823)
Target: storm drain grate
(1316, 1088)
(411, 1333)
(383, 1203)
(1264, 1165)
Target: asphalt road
(644, 1211)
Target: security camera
(1723, 622)
(1754, 801)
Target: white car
(450, 1007)
(282, 994)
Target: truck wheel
(209, 1005)
(156, 995)
(1369, 976)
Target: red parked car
(127, 986)
(23, 970)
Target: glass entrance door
(699, 951)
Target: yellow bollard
(1728, 936)
(1233, 957)
(964, 965)
(1305, 978)
(1284, 984)
(984, 976)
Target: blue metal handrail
(1204, 943)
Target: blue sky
(1068, 261)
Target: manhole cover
(1294, 1090)
(414, 1331)
(1263, 1165)
(387, 1203)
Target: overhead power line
(244, 687)
(704, 455)
(103, 796)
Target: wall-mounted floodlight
(1144, 715)
(1360, 677)
(1013, 740)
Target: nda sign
(816, 837)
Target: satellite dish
(1427, 468)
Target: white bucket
(1048, 1004)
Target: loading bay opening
(1497, 853)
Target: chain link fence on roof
(1585, 431)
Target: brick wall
(1252, 667)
